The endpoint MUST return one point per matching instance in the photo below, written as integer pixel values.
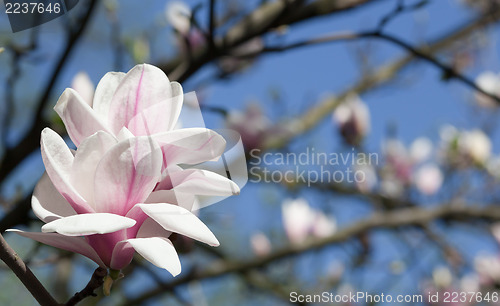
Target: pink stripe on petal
(72, 244)
(142, 87)
(126, 175)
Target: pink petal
(47, 203)
(190, 146)
(88, 224)
(201, 182)
(87, 157)
(160, 117)
(126, 175)
(179, 220)
(58, 161)
(72, 244)
(104, 93)
(143, 86)
(158, 251)
(79, 118)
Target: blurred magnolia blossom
(261, 245)
(123, 191)
(463, 148)
(443, 282)
(83, 86)
(490, 83)
(399, 170)
(488, 269)
(353, 119)
(252, 125)
(428, 179)
(178, 14)
(370, 178)
(300, 221)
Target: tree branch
(393, 219)
(95, 282)
(15, 263)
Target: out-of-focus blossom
(463, 148)
(252, 125)
(476, 145)
(488, 269)
(353, 119)
(83, 86)
(490, 83)
(402, 164)
(101, 201)
(442, 278)
(370, 178)
(300, 221)
(178, 14)
(399, 162)
(261, 245)
(428, 179)
(421, 149)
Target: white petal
(79, 118)
(158, 251)
(58, 161)
(179, 220)
(88, 224)
(83, 85)
(190, 146)
(47, 203)
(72, 244)
(104, 93)
(87, 157)
(158, 118)
(202, 182)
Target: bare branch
(16, 264)
(393, 219)
(95, 282)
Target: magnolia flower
(143, 101)
(475, 145)
(490, 83)
(488, 269)
(109, 199)
(178, 14)
(353, 119)
(300, 220)
(428, 179)
(252, 125)
(261, 245)
(83, 86)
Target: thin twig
(17, 265)
(95, 282)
